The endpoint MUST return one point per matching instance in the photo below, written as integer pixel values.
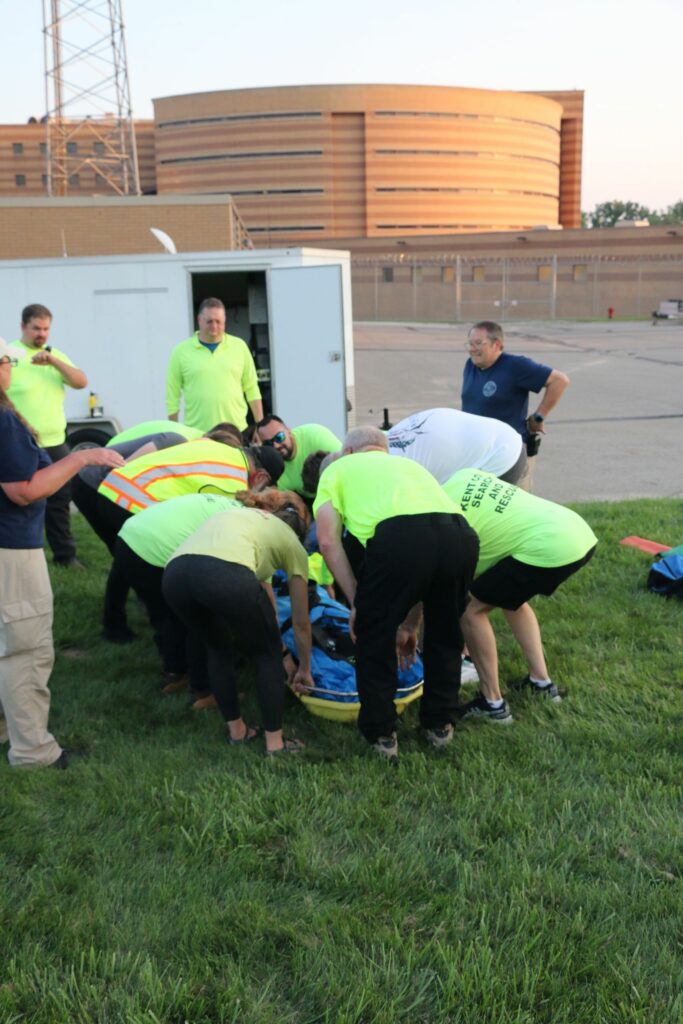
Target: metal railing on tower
(90, 141)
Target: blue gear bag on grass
(666, 574)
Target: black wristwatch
(537, 418)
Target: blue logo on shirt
(489, 388)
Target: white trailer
(119, 317)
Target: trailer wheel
(88, 437)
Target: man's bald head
(360, 438)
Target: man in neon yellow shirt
(37, 390)
(418, 552)
(295, 446)
(527, 546)
(214, 373)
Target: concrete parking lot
(616, 433)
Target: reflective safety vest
(197, 466)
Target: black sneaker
(439, 738)
(67, 758)
(386, 747)
(479, 708)
(547, 690)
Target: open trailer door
(307, 346)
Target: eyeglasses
(9, 361)
(278, 438)
(475, 346)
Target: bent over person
(295, 446)
(418, 550)
(528, 546)
(217, 584)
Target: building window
(479, 272)
(580, 272)
(72, 148)
(45, 180)
(98, 148)
(544, 272)
(20, 180)
(100, 181)
(387, 274)
(75, 180)
(18, 148)
(43, 149)
(416, 275)
(447, 275)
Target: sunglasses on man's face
(278, 438)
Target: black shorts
(509, 583)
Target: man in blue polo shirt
(497, 384)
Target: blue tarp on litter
(335, 677)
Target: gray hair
(365, 437)
(494, 332)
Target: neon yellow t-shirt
(318, 571)
(38, 393)
(512, 522)
(215, 386)
(156, 532)
(368, 487)
(156, 427)
(250, 537)
(309, 437)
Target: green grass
(529, 875)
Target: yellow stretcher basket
(336, 711)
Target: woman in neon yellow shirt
(217, 583)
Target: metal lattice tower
(89, 116)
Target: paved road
(618, 431)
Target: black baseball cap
(269, 459)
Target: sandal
(291, 746)
(252, 733)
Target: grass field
(529, 875)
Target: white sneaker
(468, 672)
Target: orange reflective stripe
(124, 495)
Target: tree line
(606, 215)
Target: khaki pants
(526, 481)
(26, 656)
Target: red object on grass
(650, 546)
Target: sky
(624, 55)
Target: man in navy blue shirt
(497, 384)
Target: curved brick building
(343, 161)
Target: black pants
(170, 634)
(87, 501)
(429, 558)
(57, 515)
(110, 518)
(219, 601)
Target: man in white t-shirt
(445, 441)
